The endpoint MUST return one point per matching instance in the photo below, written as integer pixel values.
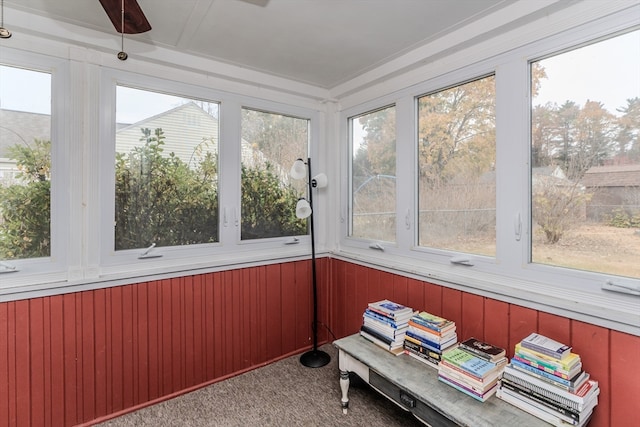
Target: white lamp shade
(303, 209)
(298, 170)
(320, 180)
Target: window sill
(607, 309)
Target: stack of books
(385, 323)
(546, 379)
(428, 336)
(473, 367)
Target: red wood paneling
(68, 359)
(452, 305)
(432, 298)
(472, 317)
(522, 321)
(57, 371)
(592, 344)
(624, 380)
(496, 323)
(23, 364)
(416, 294)
(400, 292)
(554, 327)
(4, 364)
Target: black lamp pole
(314, 358)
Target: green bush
(622, 219)
(158, 199)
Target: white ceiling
(323, 43)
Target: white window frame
(271, 108)
(509, 276)
(34, 273)
(230, 249)
(350, 209)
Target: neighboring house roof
(612, 176)
(19, 127)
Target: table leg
(344, 386)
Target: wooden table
(414, 386)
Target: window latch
(518, 227)
(293, 241)
(376, 246)
(458, 260)
(610, 285)
(6, 268)
(147, 253)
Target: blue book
(380, 318)
(468, 362)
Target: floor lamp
(313, 358)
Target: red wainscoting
(77, 358)
(610, 357)
(70, 359)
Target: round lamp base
(315, 359)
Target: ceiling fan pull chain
(122, 55)
(4, 33)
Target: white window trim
(50, 269)
(509, 276)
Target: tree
(457, 131)
(161, 200)
(629, 131)
(268, 206)
(25, 207)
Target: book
(373, 315)
(428, 334)
(468, 380)
(566, 364)
(394, 310)
(486, 379)
(431, 321)
(545, 345)
(392, 342)
(468, 362)
(373, 339)
(564, 412)
(424, 358)
(393, 333)
(469, 392)
(437, 344)
(426, 345)
(531, 408)
(482, 349)
(417, 347)
(569, 385)
(582, 396)
(546, 368)
(432, 331)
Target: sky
(608, 72)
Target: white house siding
(185, 128)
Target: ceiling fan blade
(134, 20)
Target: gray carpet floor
(284, 393)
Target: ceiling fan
(127, 14)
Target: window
(270, 144)
(25, 164)
(373, 175)
(456, 162)
(166, 171)
(585, 157)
